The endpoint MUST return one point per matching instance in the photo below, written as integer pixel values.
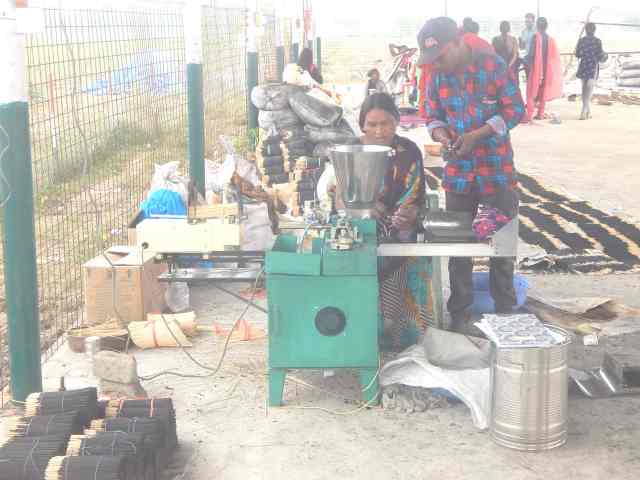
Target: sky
(371, 9)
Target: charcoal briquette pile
(158, 408)
(51, 442)
(88, 468)
(84, 401)
(26, 458)
(296, 131)
(64, 424)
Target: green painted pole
(319, 54)
(252, 69)
(20, 270)
(195, 94)
(196, 125)
(295, 52)
(280, 61)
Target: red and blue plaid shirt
(488, 94)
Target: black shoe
(459, 322)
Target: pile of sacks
(629, 74)
(297, 127)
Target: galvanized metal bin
(529, 396)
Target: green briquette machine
(323, 299)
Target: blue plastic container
(482, 301)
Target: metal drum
(529, 399)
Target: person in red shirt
(472, 102)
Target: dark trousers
(501, 268)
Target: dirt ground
(227, 431)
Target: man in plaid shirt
(472, 101)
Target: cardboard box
(134, 275)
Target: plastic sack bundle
(167, 177)
(295, 75)
(335, 135)
(255, 228)
(272, 96)
(314, 111)
(220, 175)
(277, 119)
(163, 202)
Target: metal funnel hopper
(359, 173)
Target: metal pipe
(16, 180)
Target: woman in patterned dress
(405, 300)
(589, 51)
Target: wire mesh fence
(224, 73)
(107, 100)
(267, 65)
(286, 26)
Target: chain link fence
(224, 77)
(267, 63)
(107, 97)
(108, 101)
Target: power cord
(213, 371)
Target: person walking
(374, 83)
(527, 33)
(544, 81)
(506, 46)
(589, 51)
(472, 102)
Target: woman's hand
(441, 135)
(405, 218)
(379, 211)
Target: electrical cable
(213, 371)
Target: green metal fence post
(16, 185)
(252, 68)
(279, 50)
(195, 93)
(319, 54)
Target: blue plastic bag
(482, 300)
(163, 202)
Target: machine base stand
(370, 387)
(276, 386)
(368, 382)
